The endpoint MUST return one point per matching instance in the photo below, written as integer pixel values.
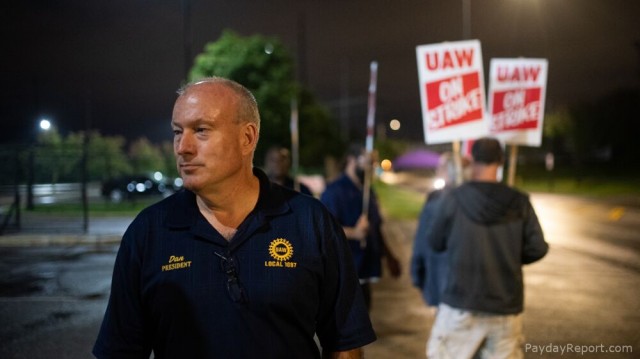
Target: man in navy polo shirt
(344, 198)
(233, 266)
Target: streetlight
(268, 49)
(44, 125)
(394, 124)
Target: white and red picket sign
(451, 90)
(516, 100)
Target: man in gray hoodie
(488, 231)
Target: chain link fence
(33, 179)
(49, 189)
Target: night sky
(117, 64)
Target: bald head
(215, 126)
(246, 104)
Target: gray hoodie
(488, 231)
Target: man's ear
(249, 139)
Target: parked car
(133, 186)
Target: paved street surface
(572, 299)
(584, 294)
(52, 299)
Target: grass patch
(588, 186)
(603, 182)
(600, 183)
(97, 208)
(397, 202)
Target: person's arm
(359, 231)
(418, 267)
(342, 320)
(418, 263)
(122, 331)
(332, 198)
(439, 228)
(534, 246)
(349, 354)
(393, 264)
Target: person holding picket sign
(344, 198)
(488, 231)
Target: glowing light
(386, 165)
(394, 124)
(45, 124)
(439, 183)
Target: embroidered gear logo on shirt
(281, 250)
(176, 262)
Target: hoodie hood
(490, 202)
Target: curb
(34, 240)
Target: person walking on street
(231, 266)
(488, 231)
(428, 268)
(344, 198)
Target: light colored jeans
(464, 334)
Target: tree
(107, 157)
(169, 169)
(602, 131)
(619, 117)
(265, 67)
(55, 157)
(145, 157)
(557, 131)
(319, 134)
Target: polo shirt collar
(272, 202)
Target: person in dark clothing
(231, 266)
(344, 199)
(428, 268)
(488, 231)
(277, 164)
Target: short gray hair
(248, 106)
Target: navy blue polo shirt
(181, 290)
(344, 199)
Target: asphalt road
(52, 299)
(583, 295)
(581, 299)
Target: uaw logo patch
(281, 251)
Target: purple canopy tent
(417, 160)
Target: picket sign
(451, 91)
(452, 94)
(516, 100)
(517, 90)
(452, 97)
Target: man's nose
(184, 144)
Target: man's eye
(176, 131)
